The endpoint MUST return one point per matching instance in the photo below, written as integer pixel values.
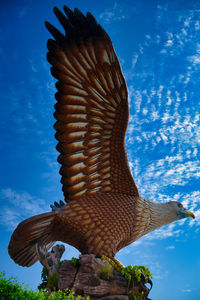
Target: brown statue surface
(104, 211)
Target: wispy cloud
(186, 290)
(25, 102)
(16, 206)
(118, 12)
(163, 137)
(164, 232)
(141, 253)
(23, 12)
(170, 248)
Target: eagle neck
(153, 215)
(160, 215)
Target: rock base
(85, 279)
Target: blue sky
(158, 45)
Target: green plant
(105, 272)
(10, 289)
(75, 261)
(52, 281)
(135, 272)
(114, 262)
(134, 297)
(44, 277)
(59, 263)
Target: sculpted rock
(85, 279)
(67, 274)
(90, 276)
(49, 260)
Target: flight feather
(91, 109)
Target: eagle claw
(49, 260)
(57, 205)
(148, 280)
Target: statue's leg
(42, 253)
(49, 259)
(119, 267)
(114, 262)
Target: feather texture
(91, 109)
(22, 243)
(104, 211)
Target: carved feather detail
(91, 109)
(104, 212)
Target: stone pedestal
(85, 280)
(85, 277)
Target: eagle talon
(42, 252)
(49, 260)
(57, 205)
(98, 256)
(145, 280)
(114, 262)
(148, 280)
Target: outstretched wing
(91, 108)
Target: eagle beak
(189, 214)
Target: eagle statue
(104, 211)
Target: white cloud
(194, 60)
(17, 206)
(164, 232)
(186, 290)
(134, 60)
(197, 25)
(141, 254)
(170, 248)
(177, 136)
(116, 13)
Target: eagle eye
(179, 205)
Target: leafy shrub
(75, 261)
(135, 272)
(52, 281)
(44, 277)
(105, 272)
(10, 289)
(59, 263)
(134, 297)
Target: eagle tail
(22, 246)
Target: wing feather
(91, 109)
